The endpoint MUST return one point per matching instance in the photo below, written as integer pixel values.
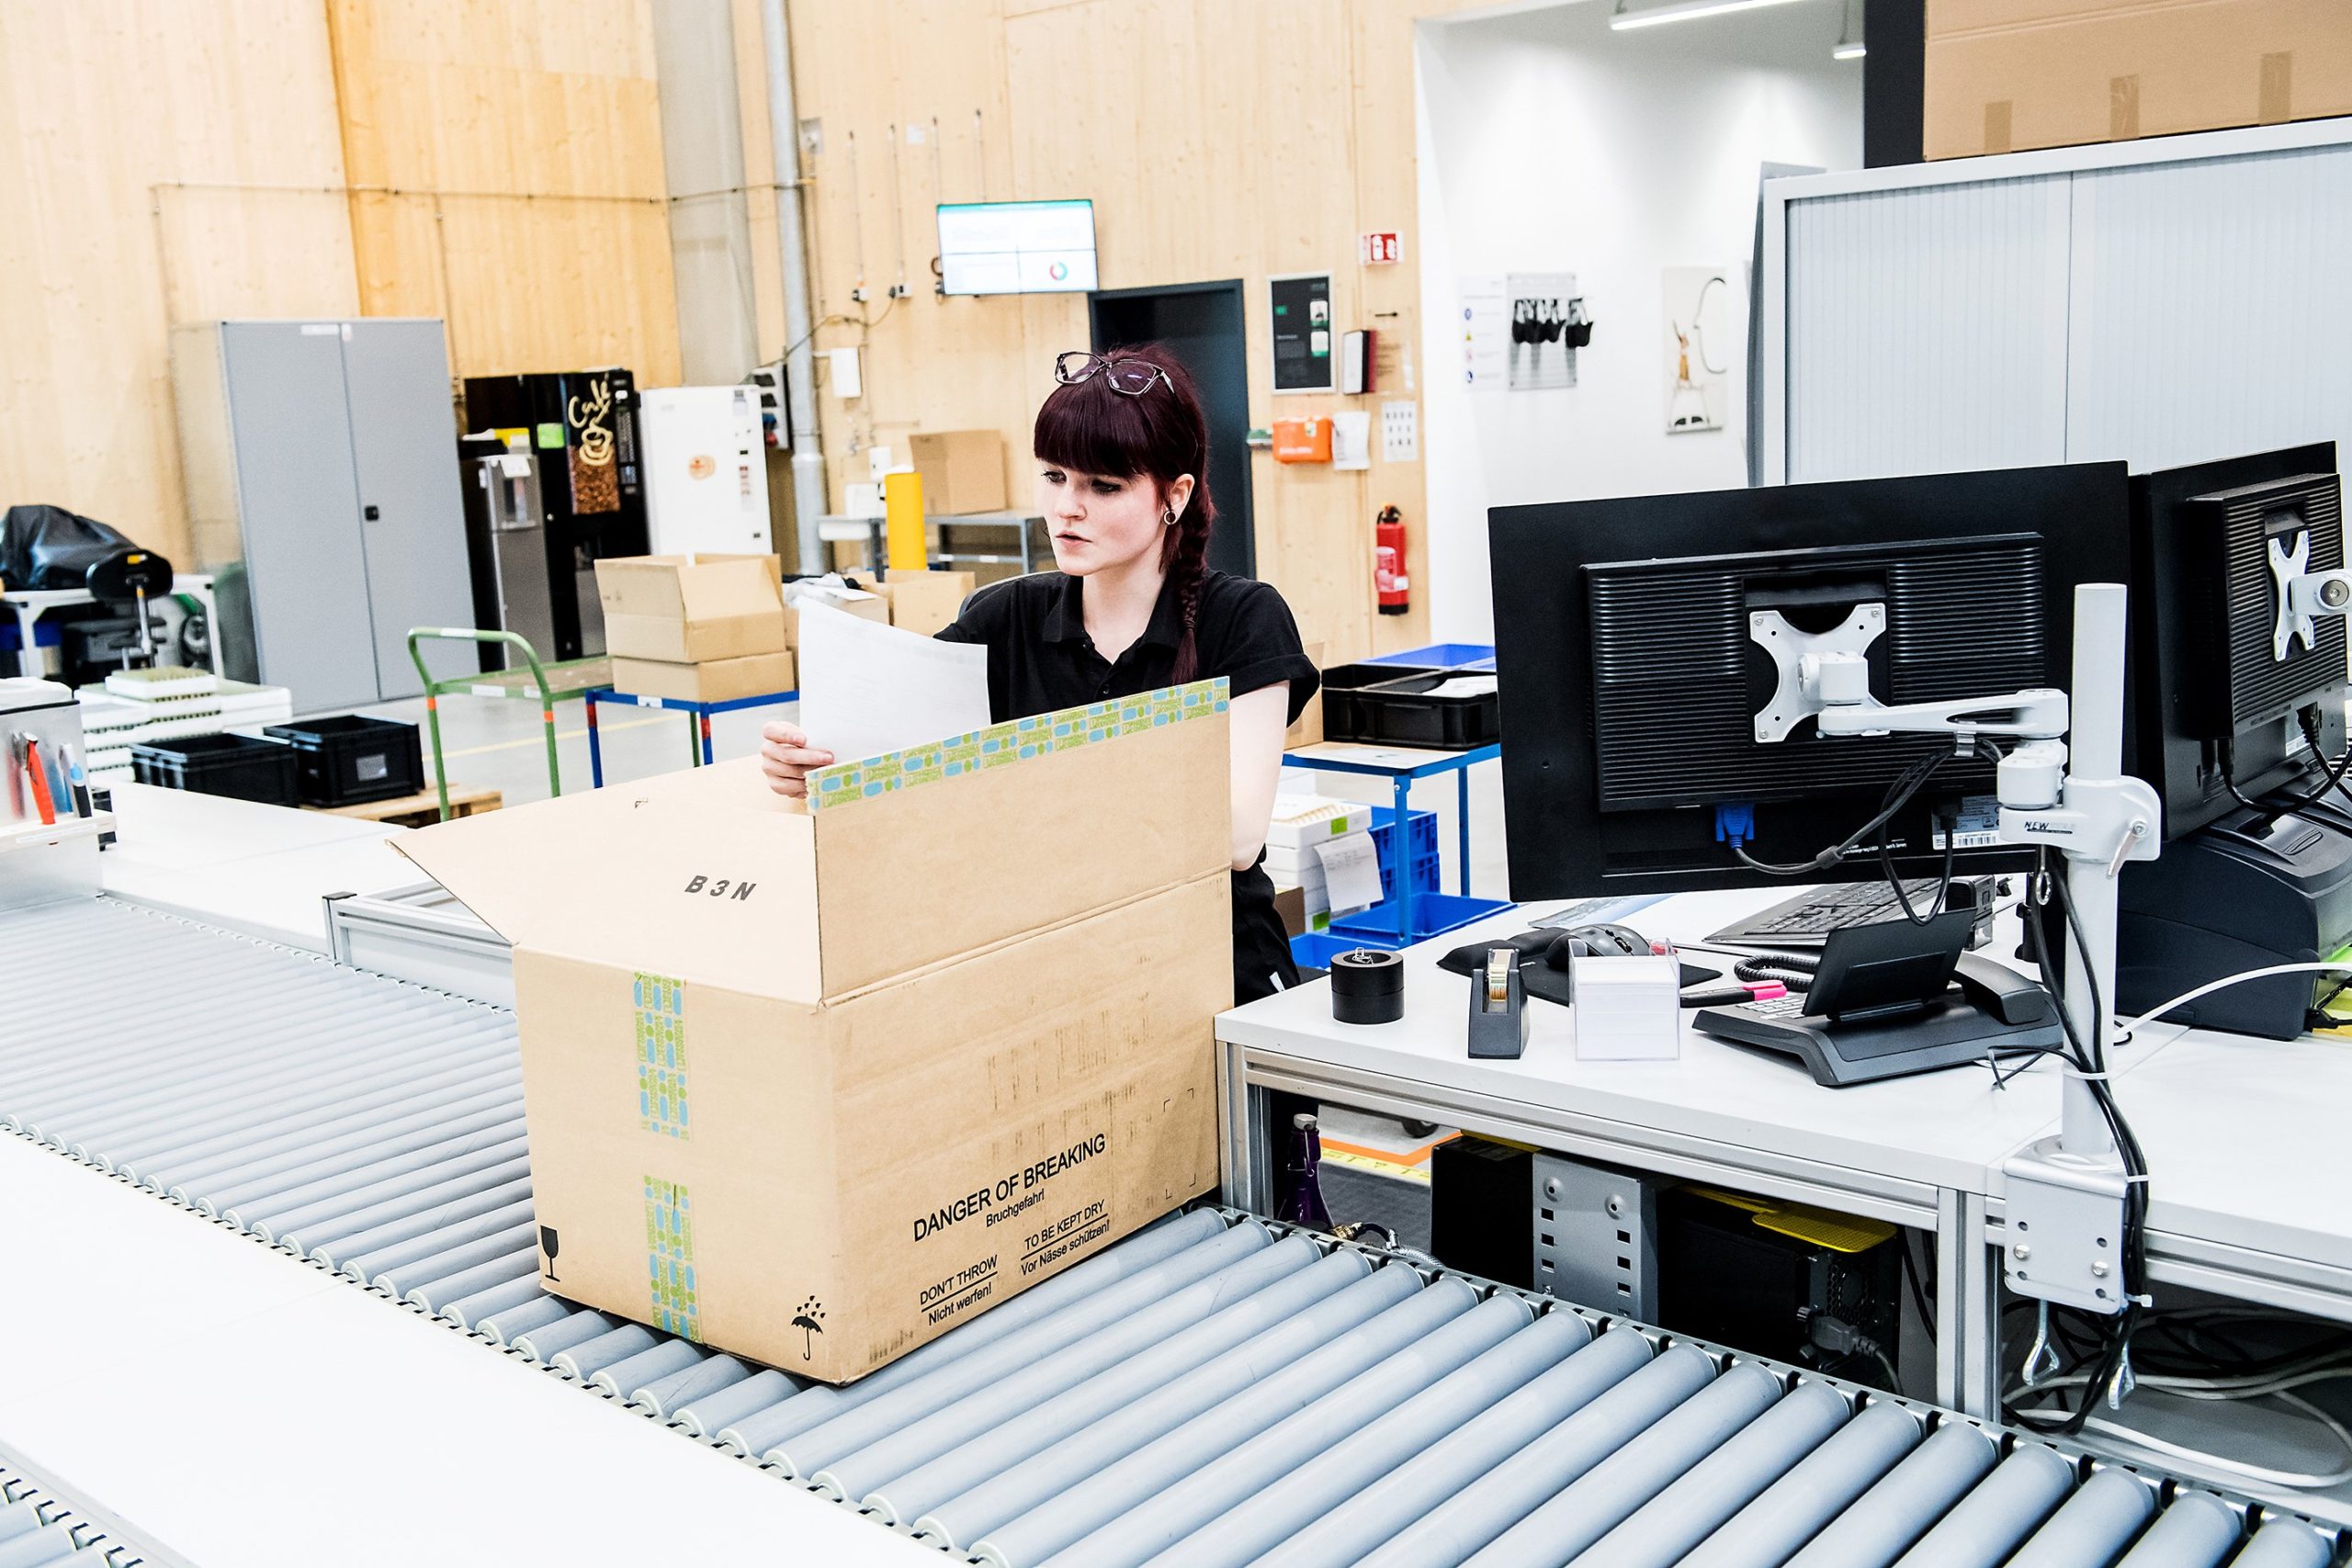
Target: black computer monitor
(1631, 687)
(2215, 704)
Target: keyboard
(1805, 920)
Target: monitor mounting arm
(2065, 1194)
(2304, 596)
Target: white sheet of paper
(1464, 686)
(1350, 870)
(1351, 438)
(866, 688)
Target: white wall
(1549, 144)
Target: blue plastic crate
(1439, 655)
(1314, 950)
(1433, 914)
(1422, 851)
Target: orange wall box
(1303, 440)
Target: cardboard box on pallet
(691, 609)
(816, 1084)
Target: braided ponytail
(1161, 435)
(1186, 558)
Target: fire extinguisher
(1388, 573)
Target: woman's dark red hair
(1160, 436)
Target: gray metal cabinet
(322, 477)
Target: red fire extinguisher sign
(1388, 575)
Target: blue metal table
(697, 735)
(1401, 765)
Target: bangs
(1090, 428)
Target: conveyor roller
(1213, 1389)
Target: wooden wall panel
(505, 164)
(1217, 139)
(141, 147)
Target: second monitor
(1645, 647)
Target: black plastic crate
(1397, 710)
(348, 761)
(1343, 718)
(234, 765)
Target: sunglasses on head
(1132, 378)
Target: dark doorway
(1201, 324)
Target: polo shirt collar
(1066, 618)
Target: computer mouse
(1596, 942)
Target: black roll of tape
(1367, 986)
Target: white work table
(245, 1408)
(2244, 1137)
(260, 870)
(2250, 1170)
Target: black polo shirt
(1040, 660)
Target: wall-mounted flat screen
(1016, 247)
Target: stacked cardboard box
(963, 470)
(924, 602)
(836, 590)
(697, 628)
(1302, 822)
(2005, 76)
(818, 1082)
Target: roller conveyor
(1213, 1390)
(42, 1525)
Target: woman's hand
(786, 757)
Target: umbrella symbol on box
(811, 1323)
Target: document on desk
(866, 688)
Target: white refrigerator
(706, 471)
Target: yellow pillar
(902, 523)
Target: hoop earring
(1167, 517)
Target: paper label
(1350, 870)
(1979, 823)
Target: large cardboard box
(924, 602)
(2005, 76)
(718, 681)
(815, 1084)
(689, 609)
(963, 470)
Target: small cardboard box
(817, 1083)
(691, 609)
(1290, 903)
(717, 681)
(963, 470)
(860, 601)
(2005, 76)
(924, 602)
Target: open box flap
(951, 847)
(702, 876)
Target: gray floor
(501, 744)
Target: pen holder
(1626, 1010)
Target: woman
(1122, 451)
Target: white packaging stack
(112, 722)
(1323, 848)
(1300, 820)
(1627, 1009)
